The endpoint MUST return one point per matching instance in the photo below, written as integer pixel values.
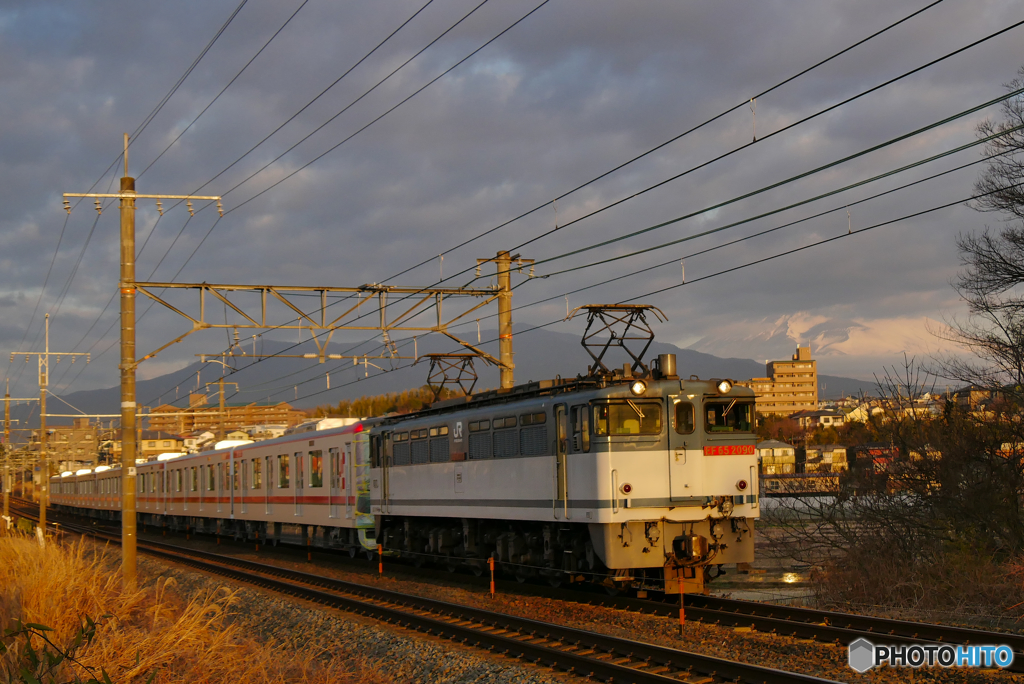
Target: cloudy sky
(575, 89)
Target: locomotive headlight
(638, 387)
(724, 386)
(741, 485)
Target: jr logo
(458, 430)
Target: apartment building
(790, 386)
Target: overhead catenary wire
(222, 90)
(788, 127)
(679, 136)
(139, 129)
(766, 91)
(847, 187)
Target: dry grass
(149, 630)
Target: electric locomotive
(631, 481)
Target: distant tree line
(384, 404)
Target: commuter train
(645, 482)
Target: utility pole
(503, 261)
(221, 383)
(7, 483)
(44, 375)
(127, 287)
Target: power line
(235, 78)
(678, 137)
(789, 180)
(402, 102)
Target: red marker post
(490, 562)
(380, 559)
(682, 614)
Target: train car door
(347, 481)
(232, 481)
(685, 458)
(561, 478)
(245, 485)
(300, 476)
(221, 486)
(268, 479)
(334, 470)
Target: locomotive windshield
(729, 416)
(627, 418)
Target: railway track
(801, 623)
(563, 648)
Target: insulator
(220, 208)
(159, 208)
(67, 206)
(188, 203)
(99, 207)
(531, 271)
(478, 270)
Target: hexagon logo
(862, 655)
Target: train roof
(544, 388)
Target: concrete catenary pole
(127, 286)
(504, 264)
(128, 435)
(44, 462)
(7, 449)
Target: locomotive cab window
(627, 418)
(684, 423)
(729, 416)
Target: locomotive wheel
(522, 575)
(353, 551)
(370, 554)
(418, 560)
(477, 568)
(556, 580)
(452, 565)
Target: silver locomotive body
(629, 482)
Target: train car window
(177, 480)
(194, 480)
(257, 474)
(580, 416)
(530, 419)
(234, 480)
(506, 422)
(684, 422)
(729, 416)
(211, 483)
(334, 466)
(439, 431)
(300, 466)
(282, 472)
(401, 436)
(627, 418)
(480, 426)
(316, 468)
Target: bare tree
(993, 263)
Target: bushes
(136, 635)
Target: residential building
(790, 386)
(810, 420)
(200, 416)
(149, 444)
(776, 457)
(826, 458)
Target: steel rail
(564, 648)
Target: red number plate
(733, 450)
